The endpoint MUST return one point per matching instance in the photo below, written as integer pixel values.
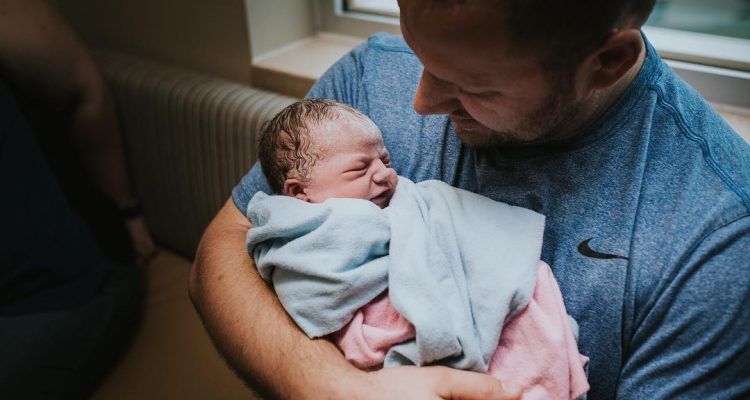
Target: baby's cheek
(364, 192)
(356, 190)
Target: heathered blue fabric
(660, 179)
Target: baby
(421, 275)
(314, 150)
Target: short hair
(564, 32)
(286, 148)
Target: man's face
(354, 163)
(493, 95)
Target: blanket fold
(457, 265)
(538, 348)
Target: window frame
(719, 67)
(371, 7)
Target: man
(562, 107)
(66, 312)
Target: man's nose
(435, 96)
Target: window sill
(293, 69)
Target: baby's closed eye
(386, 159)
(359, 168)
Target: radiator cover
(189, 138)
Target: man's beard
(543, 125)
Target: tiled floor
(171, 356)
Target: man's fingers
(439, 383)
(140, 236)
(464, 385)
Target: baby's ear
(295, 188)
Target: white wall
(209, 36)
(275, 23)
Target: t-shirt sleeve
(253, 182)
(339, 83)
(692, 341)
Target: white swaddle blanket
(457, 265)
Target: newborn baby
(316, 149)
(416, 274)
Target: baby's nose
(383, 174)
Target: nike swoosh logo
(584, 249)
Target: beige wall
(275, 23)
(209, 36)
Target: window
(708, 32)
(730, 18)
(707, 42)
(716, 17)
(381, 7)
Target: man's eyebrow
(470, 87)
(439, 79)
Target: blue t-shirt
(648, 218)
(48, 257)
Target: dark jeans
(64, 354)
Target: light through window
(716, 17)
(381, 7)
(707, 42)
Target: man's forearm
(46, 63)
(249, 325)
(97, 135)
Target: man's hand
(143, 245)
(436, 383)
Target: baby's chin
(384, 199)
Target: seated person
(409, 276)
(67, 310)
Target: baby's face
(354, 164)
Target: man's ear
(613, 59)
(295, 188)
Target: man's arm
(265, 347)
(43, 60)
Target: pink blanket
(537, 348)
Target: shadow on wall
(208, 36)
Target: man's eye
(479, 94)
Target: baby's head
(317, 149)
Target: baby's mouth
(383, 198)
